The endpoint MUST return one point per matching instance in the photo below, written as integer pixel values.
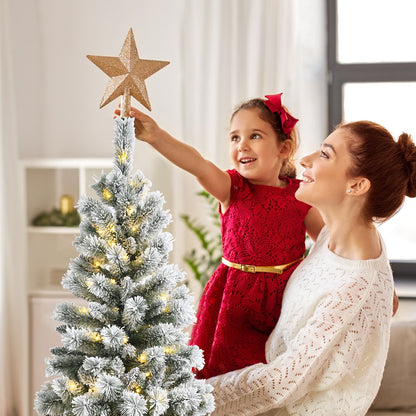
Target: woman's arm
(326, 350)
(213, 179)
(289, 377)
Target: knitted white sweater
(327, 353)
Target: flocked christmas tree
(124, 351)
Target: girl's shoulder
(292, 183)
(236, 177)
(238, 182)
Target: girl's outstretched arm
(213, 179)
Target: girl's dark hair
(288, 167)
(390, 166)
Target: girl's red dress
(263, 226)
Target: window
(372, 75)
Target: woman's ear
(358, 186)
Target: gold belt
(256, 269)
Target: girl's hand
(214, 180)
(146, 129)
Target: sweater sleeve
(326, 349)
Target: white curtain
(234, 50)
(13, 313)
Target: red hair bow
(274, 104)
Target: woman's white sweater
(326, 354)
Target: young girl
(263, 229)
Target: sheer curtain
(13, 313)
(234, 50)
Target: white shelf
(51, 292)
(52, 230)
(70, 163)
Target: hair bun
(408, 149)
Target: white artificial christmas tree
(124, 351)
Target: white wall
(59, 89)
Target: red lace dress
(263, 226)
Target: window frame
(340, 74)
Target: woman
(327, 353)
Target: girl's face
(255, 150)
(325, 176)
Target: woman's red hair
(390, 166)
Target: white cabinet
(43, 336)
(49, 249)
(45, 181)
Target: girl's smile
(245, 161)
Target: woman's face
(325, 176)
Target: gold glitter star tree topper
(127, 74)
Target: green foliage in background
(205, 259)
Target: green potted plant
(204, 260)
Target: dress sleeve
(237, 182)
(325, 350)
(301, 206)
(239, 187)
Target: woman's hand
(395, 303)
(146, 129)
